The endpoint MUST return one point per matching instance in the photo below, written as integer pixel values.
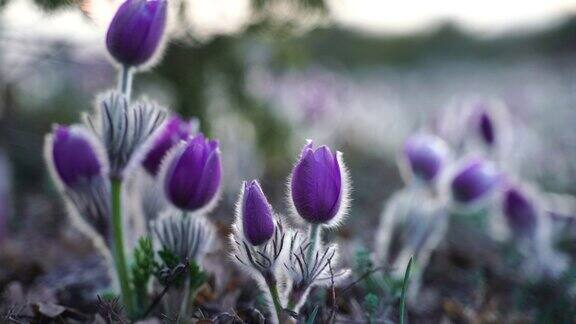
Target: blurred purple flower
(191, 177)
(257, 215)
(74, 156)
(486, 128)
(318, 185)
(474, 181)
(136, 31)
(521, 213)
(425, 156)
(172, 131)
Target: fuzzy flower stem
(185, 298)
(125, 81)
(118, 248)
(272, 287)
(314, 237)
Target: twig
(173, 277)
(364, 276)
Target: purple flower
(74, 156)
(257, 215)
(425, 156)
(520, 212)
(318, 185)
(173, 131)
(486, 128)
(136, 31)
(474, 181)
(192, 174)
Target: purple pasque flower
(318, 186)
(192, 173)
(170, 133)
(257, 214)
(520, 211)
(74, 156)
(486, 128)
(77, 164)
(137, 31)
(425, 155)
(474, 181)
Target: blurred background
(264, 75)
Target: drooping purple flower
(520, 212)
(318, 185)
(173, 131)
(474, 181)
(425, 156)
(74, 156)
(192, 174)
(257, 215)
(136, 31)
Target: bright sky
(379, 16)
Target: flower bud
(257, 215)
(74, 156)
(474, 181)
(425, 156)
(171, 132)
(192, 173)
(136, 31)
(319, 185)
(520, 212)
(486, 128)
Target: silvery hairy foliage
(264, 258)
(304, 273)
(124, 127)
(188, 237)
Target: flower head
(136, 31)
(76, 163)
(520, 212)
(74, 156)
(474, 181)
(257, 215)
(169, 134)
(425, 156)
(319, 185)
(192, 173)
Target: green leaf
(312, 317)
(142, 270)
(405, 289)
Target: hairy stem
(273, 289)
(125, 81)
(185, 298)
(118, 248)
(314, 237)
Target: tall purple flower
(520, 212)
(318, 186)
(257, 215)
(136, 31)
(192, 173)
(74, 156)
(476, 180)
(425, 156)
(173, 131)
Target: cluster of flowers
(178, 174)
(467, 181)
(288, 262)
